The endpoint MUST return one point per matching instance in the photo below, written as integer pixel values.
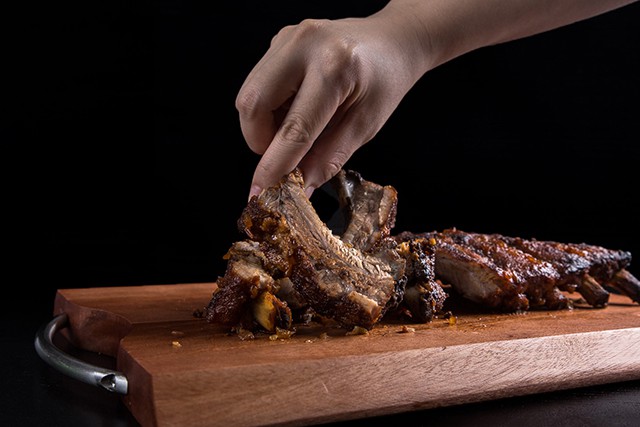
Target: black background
(122, 161)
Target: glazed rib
(512, 273)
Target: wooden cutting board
(183, 370)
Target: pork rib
(336, 279)
(292, 263)
(515, 274)
(370, 211)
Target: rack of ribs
(516, 274)
(292, 263)
(292, 266)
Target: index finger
(312, 108)
(267, 90)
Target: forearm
(440, 30)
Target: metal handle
(110, 380)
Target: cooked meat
(292, 265)
(511, 273)
(369, 209)
(473, 274)
(581, 267)
(246, 293)
(625, 283)
(291, 262)
(423, 296)
(336, 279)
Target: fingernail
(309, 191)
(254, 191)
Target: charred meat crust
(249, 285)
(424, 297)
(512, 273)
(473, 275)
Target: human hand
(324, 89)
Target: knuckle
(284, 33)
(340, 65)
(334, 164)
(310, 27)
(331, 170)
(296, 129)
(338, 52)
(247, 101)
(341, 54)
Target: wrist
(413, 38)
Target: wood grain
(185, 371)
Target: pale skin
(325, 88)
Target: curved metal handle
(110, 380)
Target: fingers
(304, 121)
(316, 97)
(348, 131)
(265, 97)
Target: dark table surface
(34, 394)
